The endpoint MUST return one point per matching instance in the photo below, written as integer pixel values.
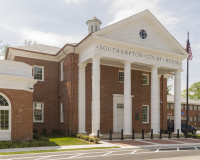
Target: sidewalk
(128, 143)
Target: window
(5, 115)
(62, 71)
(92, 30)
(182, 107)
(168, 105)
(61, 113)
(195, 119)
(38, 112)
(195, 108)
(145, 114)
(38, 73)
(121, 76)
(143, 34)
(120, 105)
(191, 107)
(145, 79)
(95, 28)
(190, 119)
(171, 106)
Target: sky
(57, 22)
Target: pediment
(128, 30)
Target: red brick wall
(46, 92)
(22, 113)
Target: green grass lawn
(63, 140)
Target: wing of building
(114, 79)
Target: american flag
(188, 48)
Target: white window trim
(147, 79)
(42, 72)
(62, 71)
(42, 121)
(118, 76)
(147, 114)
(61, 113)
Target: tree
(169, 89)
(29, 42)
(4, 49)
(193, 91)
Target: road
(191, 153)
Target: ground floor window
(145, 114)
(61, 113)
(38, 114)
(195, 119)
(4, 119)
(190, 119)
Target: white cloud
(7, 27)
(74, 1)
(121, 9)
(48, 38)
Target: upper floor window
(38, 73)
(191, 107)
(92, 29)
(145, 79)
(121, 76)
(38, 112)
(62, 71)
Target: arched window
(5, 114)
(92, 29)
(95, 28)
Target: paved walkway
(137, 143)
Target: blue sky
(57, 22)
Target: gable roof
(153, 22)
(39, 48)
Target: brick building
(115, 78)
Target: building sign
(182, 113)
(138, 55)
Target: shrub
(44, 131)
(96, 140)
(82, 136)
(91, 139)
(58, 131)
(79, 136)
(35, 131)
(86, 138)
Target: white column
(127, 99)
(81, 99)
(155, 111)
(177, 101)
(158, 117)
(95, 95)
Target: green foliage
(29, 42)
(193, 91)
(44, 131)
(30, 143)
(4, 49)
(169, 87)
(82, 136)
(58, 131)
(79, 136)
(86, 138)
(96, 140)
(35, 131)
(91, 139)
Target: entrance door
(120, 117)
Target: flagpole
(187, 88)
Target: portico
(108, 48)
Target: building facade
(115, 78)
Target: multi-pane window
(145, 114)
(182, 107)
(120, 105)
(191, 107)
(62, 70)
(4, 119)
(172, 106)
(190, 119)
(38, 73)
(195, 108)
(4, 114)
(38, 112)
(145, 79)
(61, 113)
(168, 105)
(121, 76)
(195, 119)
